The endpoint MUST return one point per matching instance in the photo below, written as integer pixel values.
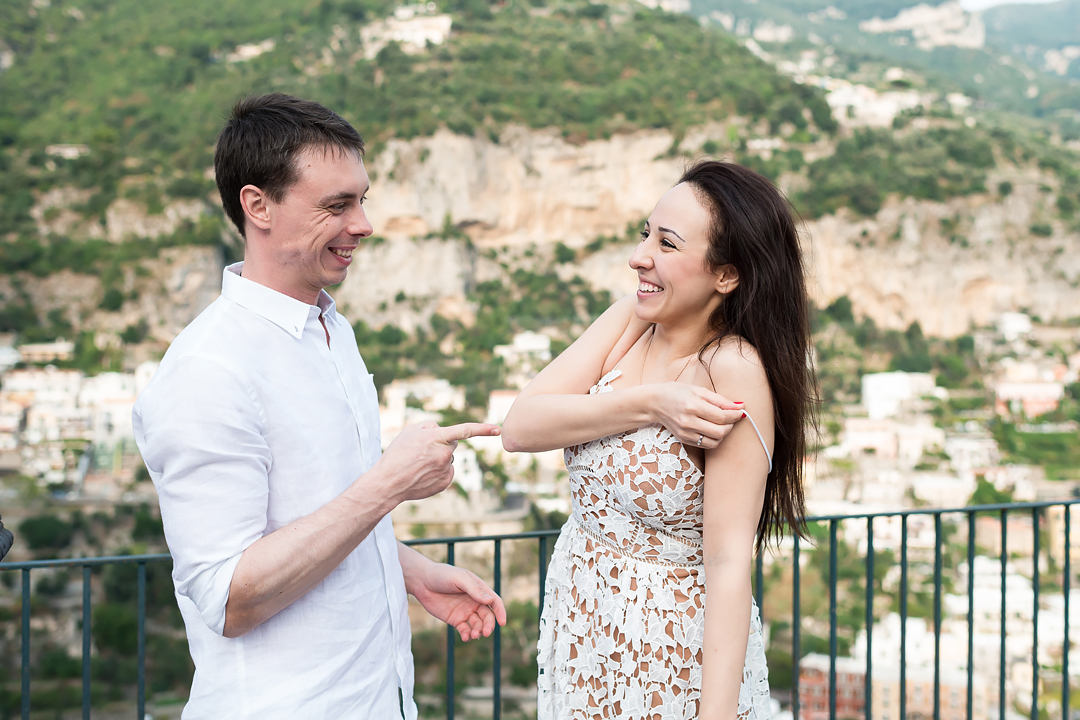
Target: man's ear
(727, 279)
(256, 206)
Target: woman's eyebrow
(670, 231)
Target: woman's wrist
(647, 403)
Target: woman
(648, 611)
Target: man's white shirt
(250, 422)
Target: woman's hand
(696, 416)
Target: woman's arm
(735, 474)
(556, 411)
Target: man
(260, 430)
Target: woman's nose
(641, 258)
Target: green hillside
(1046, 26)
(1030, 32)
(998, 75)
(145, 84)
(122, 99)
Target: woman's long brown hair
(752, 227)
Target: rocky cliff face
(530, 187)
(946, 265)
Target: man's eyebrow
(338, 197)
(672, 232)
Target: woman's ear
(727, 279)
(256, 206)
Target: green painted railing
(544, 541)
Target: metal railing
(798, 547)
(86, 564)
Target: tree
(43, 532)
(115, 628)
(986, 494)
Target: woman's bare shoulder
(734, 365)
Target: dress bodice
(638, 492)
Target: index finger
(722, 402)
(719, 415)
(461, 431)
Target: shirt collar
(288, 313)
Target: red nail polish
(737, 402)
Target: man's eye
(337, 208)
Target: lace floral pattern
(624, 605)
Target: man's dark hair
(259, 144)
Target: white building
(428, 393)
(943, 490)
(28, 386)
(9, 357)
(527, 354)
(1029, 398)
(109, 399)
(47, 351)
(902, 442)
(968, 451)
(467, 473)
(143, 373)
(1013, 325)
(887, 394)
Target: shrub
(45, 532)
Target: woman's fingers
(710, 435)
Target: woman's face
(675, 286)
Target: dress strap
(759, 437)
(602, 384)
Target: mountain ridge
(494, 188)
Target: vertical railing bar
(496, 688)
(903, 614)
(141, 691)
(1065, 588)
(1035, 616)
(970, 614)
(26, 644)
(543, 574)
(449, 649)
(1001, 631)
(937, 616)
(795, 633)
(832, 618)
(86, 618)
(868, 684)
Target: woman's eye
(644, 234)
(667, 244)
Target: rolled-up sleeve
(200, 430)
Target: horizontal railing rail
(544, 543)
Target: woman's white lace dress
(624, 606)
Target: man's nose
(359, 224)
